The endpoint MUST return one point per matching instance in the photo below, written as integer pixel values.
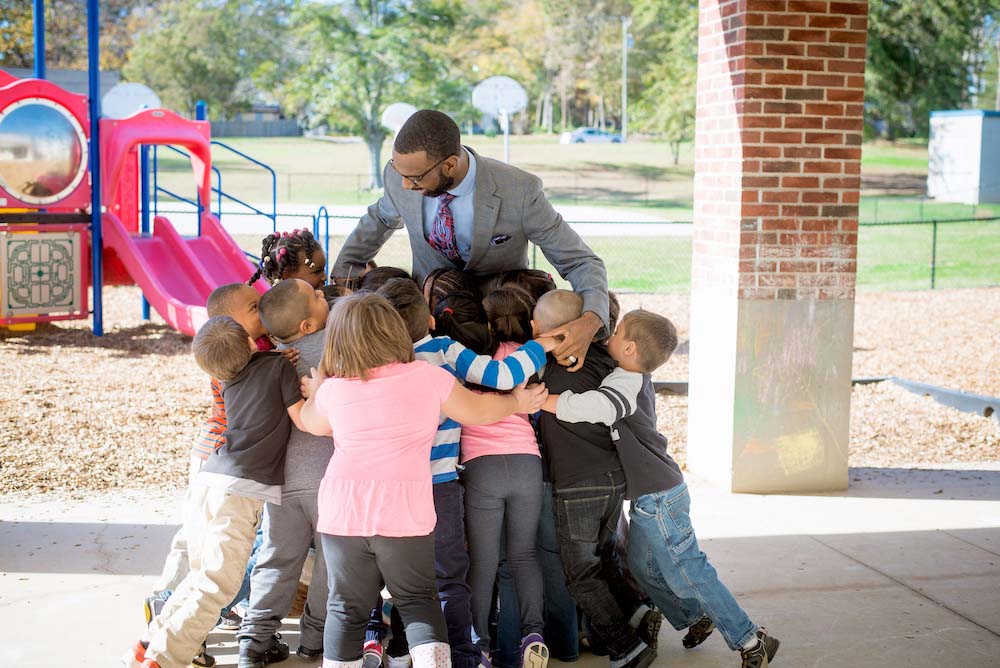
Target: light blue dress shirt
(461, 209)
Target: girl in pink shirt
(503, 493)
(376, 508)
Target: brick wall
(778, 147)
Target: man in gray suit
(465, 211)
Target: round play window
(43, 151)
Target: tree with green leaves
(66, 32)
(923, 55)
(355, 58)
(667, 58)
(208, 50)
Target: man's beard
(446, 183)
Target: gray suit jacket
(509, 211)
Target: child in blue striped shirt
(451, 559)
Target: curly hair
(282, 253)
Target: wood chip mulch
(82, 414)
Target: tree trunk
(548, 111)
(997, 103)
(539, 110)
(565, 106)
(675, 149)
(374, 142)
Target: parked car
(590, 136)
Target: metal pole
(505, 122)
(156, 184)
(933, 252)
(144, 221)
(200, 114)
(39, 39)
(626, 22)
(96, 241)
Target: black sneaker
(276, 652)
(305, 653)
(203, 659)
(641, 660)
(698, 633)
(761, 654)
(649, 628)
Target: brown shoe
(698, 633)
(760, 655)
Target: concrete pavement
(901, 570)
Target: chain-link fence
(656, 257)
(904, 242)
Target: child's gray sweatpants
(289, 530)
(357, 566)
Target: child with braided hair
(295, 254)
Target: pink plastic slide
(177, 274)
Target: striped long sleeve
(615, 399)
(467, 366)
(213, 434)
(505, 374)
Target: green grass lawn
(895, 157)
(890, 257)
(637, 176)
(899, 257)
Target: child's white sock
(750, 644)
(330, 663)
(431, 655)
(637, 617)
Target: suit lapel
(486, 206)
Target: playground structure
(75, 186)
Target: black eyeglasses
(415, 180)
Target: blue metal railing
(325, 215)
(196, 203)
(217, 188)
(274, 183)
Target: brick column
(777, 179)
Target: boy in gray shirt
(295, 315)
(663, 550)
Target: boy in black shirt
(663, 550)
(589, 488)
(261, 394)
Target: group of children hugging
(419, 440)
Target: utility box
(964, 156)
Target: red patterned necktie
(442, 236)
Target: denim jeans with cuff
(665, 558)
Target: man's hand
(309, 384)
(576, 339)
(290, 354)
(547, 343)
(529, 397)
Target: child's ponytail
(460, 316)
(509, 313)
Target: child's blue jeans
(665, 558)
